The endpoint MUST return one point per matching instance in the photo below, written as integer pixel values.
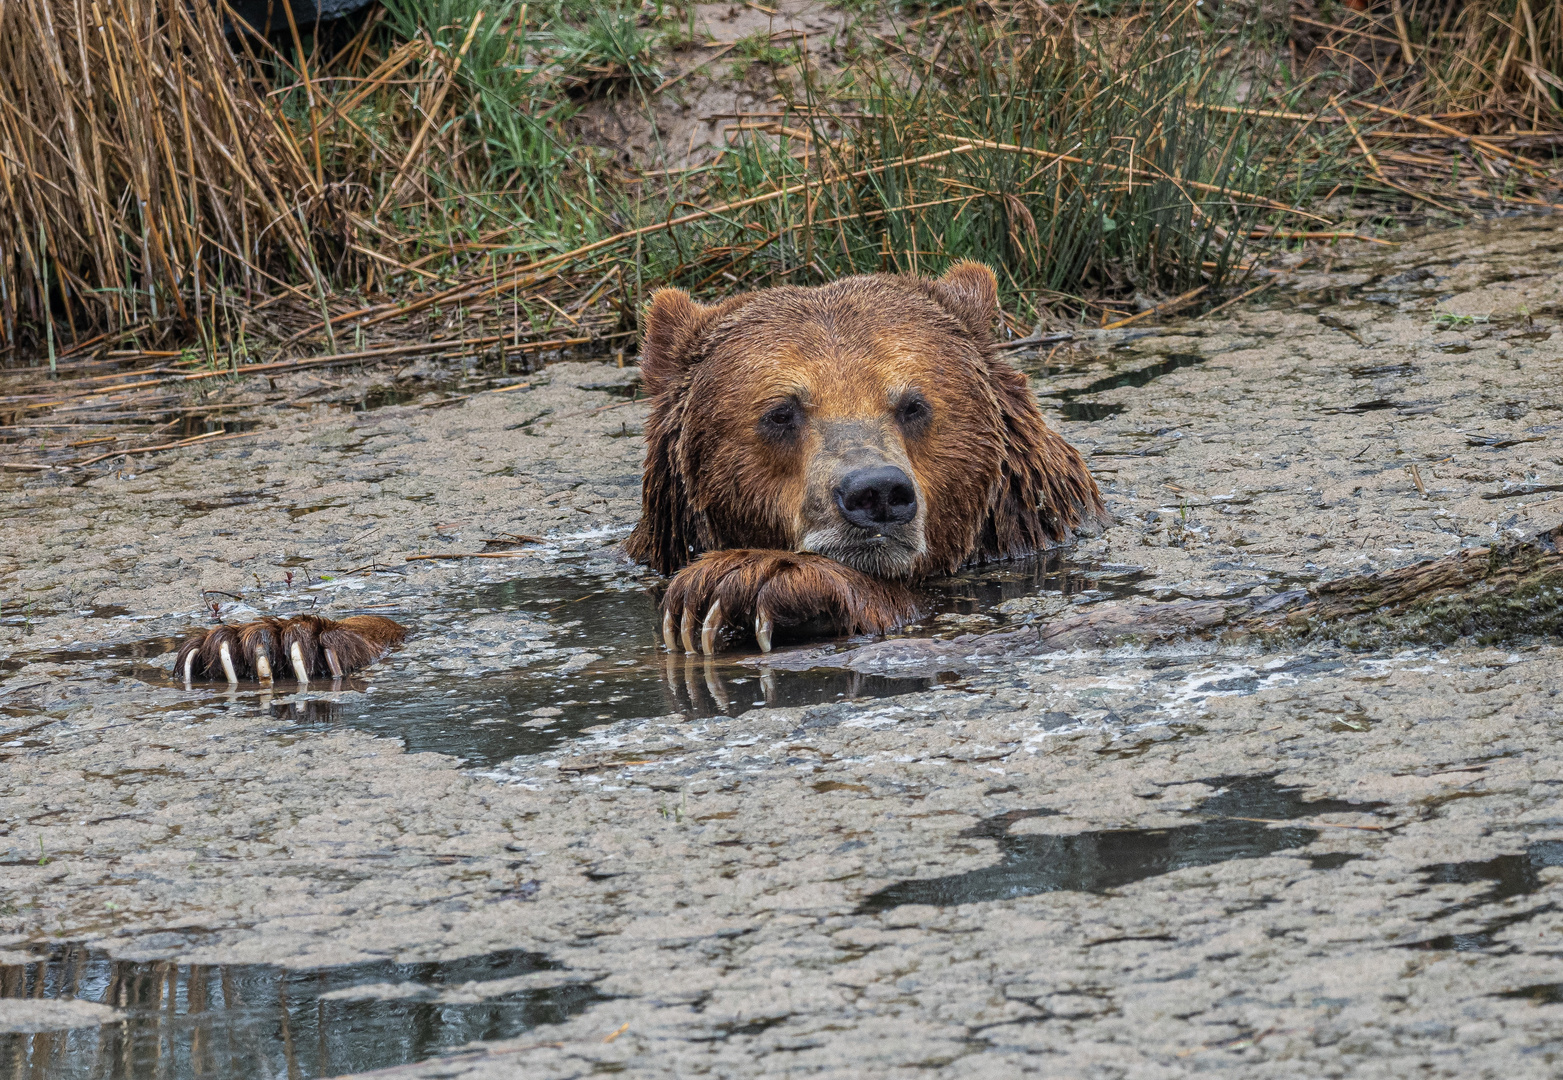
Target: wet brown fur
(356, 642)
(995, 480)
(791, 587)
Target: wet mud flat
(533, 843)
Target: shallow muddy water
(1506, 877)
(615, 670)
(175, 1021)
(1239, 817)
(1066, 401)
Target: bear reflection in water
(812, 453)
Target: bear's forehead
(855, 343)
(824, 369)
(851, 309)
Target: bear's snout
(862, 508)
(876, 497)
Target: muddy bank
(1141, 860)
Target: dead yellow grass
(134, 152)
(1488, 64)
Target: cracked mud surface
(1138, 863)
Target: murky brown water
(487, 718)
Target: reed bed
(143, 173)
(1095, 166)
(1092, 168)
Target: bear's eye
(781, 421)
(913, 414)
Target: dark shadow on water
(236, 498)
(257, 1021)
(29, 613)
(1483, 938)
(144, 649)
(453, 381)
(490, 718)
(1090, 411)
(1539, 994)
(193, 424)
(1102, 860)
(1074, 409)
(978, 589)
(145, 657)
(1509, 875)
(1136, 377)
(497, 722)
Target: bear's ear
(672, 323)
(971, 293)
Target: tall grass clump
(154, 156)
(498, 152)
(159, 172)
(1117, 161)
(136, 157)
(1097, 166)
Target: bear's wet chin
(887, 554)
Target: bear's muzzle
(863, 507)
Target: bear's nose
(871, 498)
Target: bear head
(868, 421)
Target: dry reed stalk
(1214, 189)
(433, 111)
(1160, 309)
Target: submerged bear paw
(305, 646)
(730, 595)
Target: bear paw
(725, 595)
(309, 646)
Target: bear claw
(227, 661)
(310, 644)
(300, 669)
(710, 627)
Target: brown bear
(811, 452)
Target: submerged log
(1486, 595)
